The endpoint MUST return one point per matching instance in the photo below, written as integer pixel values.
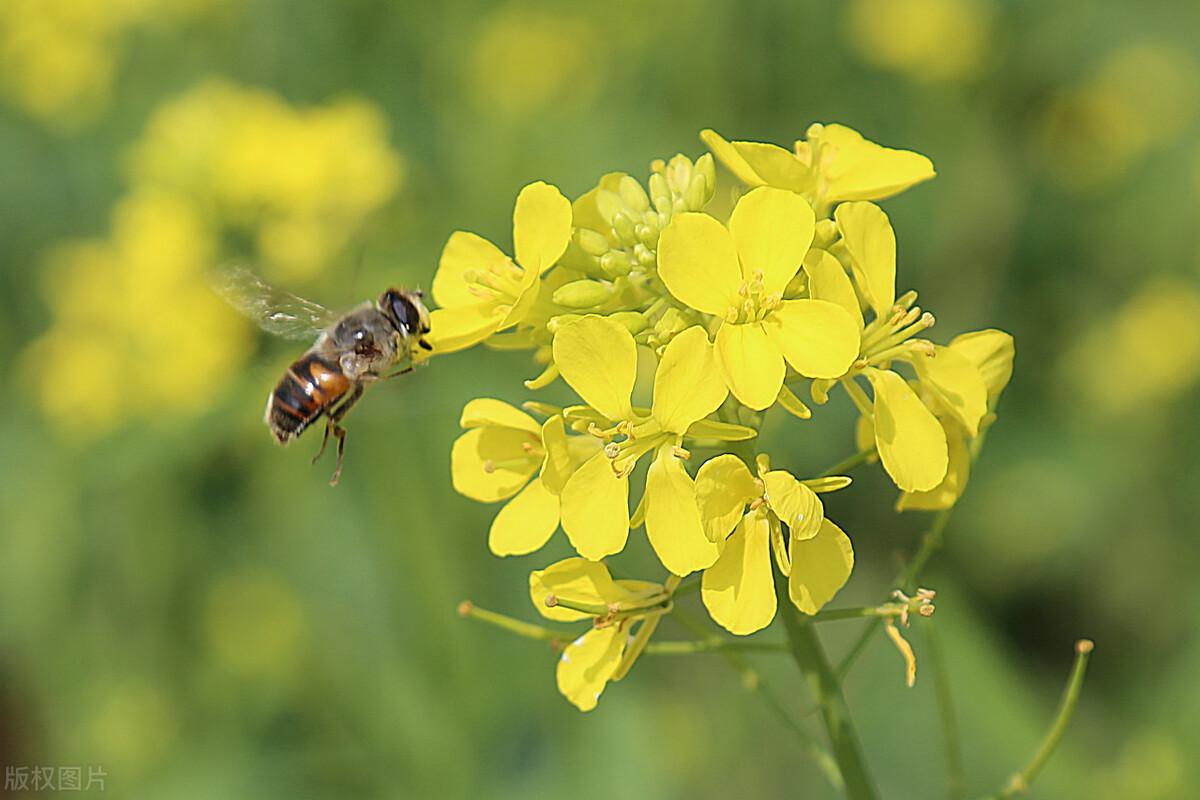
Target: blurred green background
(194, 609)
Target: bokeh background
(194, 609)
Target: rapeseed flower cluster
(791, 297)
(219, 163)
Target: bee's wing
(276, 311)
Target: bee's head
(406, 311)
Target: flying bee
(349, 352)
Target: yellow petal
(485, 411)
(862, 170)
(776, 166)
(464, 252)
(559, 462)
(992, 352)
(724, 486)
(525, 523)
(541, 226)
(673, 517)
(946, 493)
(751, 364)
(956, 383)
(587, 664)
(868, 236)
(796, 505)
(772, 229)
(739, 590)
(490, 464)
(818, 338)
(577, 580)
(728, 155)
(598, 359)
(453, 329)
(820, 567)
(527, 296)
(698, 263)
(910, 440)
(827, 280)
(595, 509)
(687, 385)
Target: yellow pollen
(680, 452)
(489, 466)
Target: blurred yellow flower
(479, 289)
(738, 274)
(528, 59)
(496, 459)
(577, 589)
(1156, 335)
(598, 359)
(302, 181)
(59, 59)
(833, 164)
(927, 40)
(1141, 98)
(254, 625)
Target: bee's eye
(406, 313)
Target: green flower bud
(574, 257)
(647, 236)
(707, 167)
(826, 232)
(608, 204)
(644, 255)
(679, 173)
(633, 195)
(633, 321)
(661, 192)
(592, 242)
(615, 264)
(697, 193)
(624, 227)
(583, 294)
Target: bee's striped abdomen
(309, 388)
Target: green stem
(1021, 781)
(774, 703)
(848, 463)
(814, 664)
(526, 629)
(955, 783)
(713, 645)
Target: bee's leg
(332, 426)
(324, 441)
(400, 372)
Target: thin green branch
(1021, 781)
(713, 645)
(521, 628)
(814, 664)
(848, 463)
(955, 782)
(754, 682)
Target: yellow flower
(990, 353)
(598, 359)
(739, 590)
(577, 589)
(834, 164)
(496, 459)
(738, 274)
(480, 289)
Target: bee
(350, 351)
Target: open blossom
(738, 274)
(507, 455)
(479, 289)
(577, 589)
(598, 359)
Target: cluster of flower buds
(787, 298)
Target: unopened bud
(707, 167)
(608, 203)
(661, 193)
(592, 242)
(644, 255)
(583, 294)
(615, 264)
(633, 321)
(696, 194)
(825, 233)
(633, 195)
